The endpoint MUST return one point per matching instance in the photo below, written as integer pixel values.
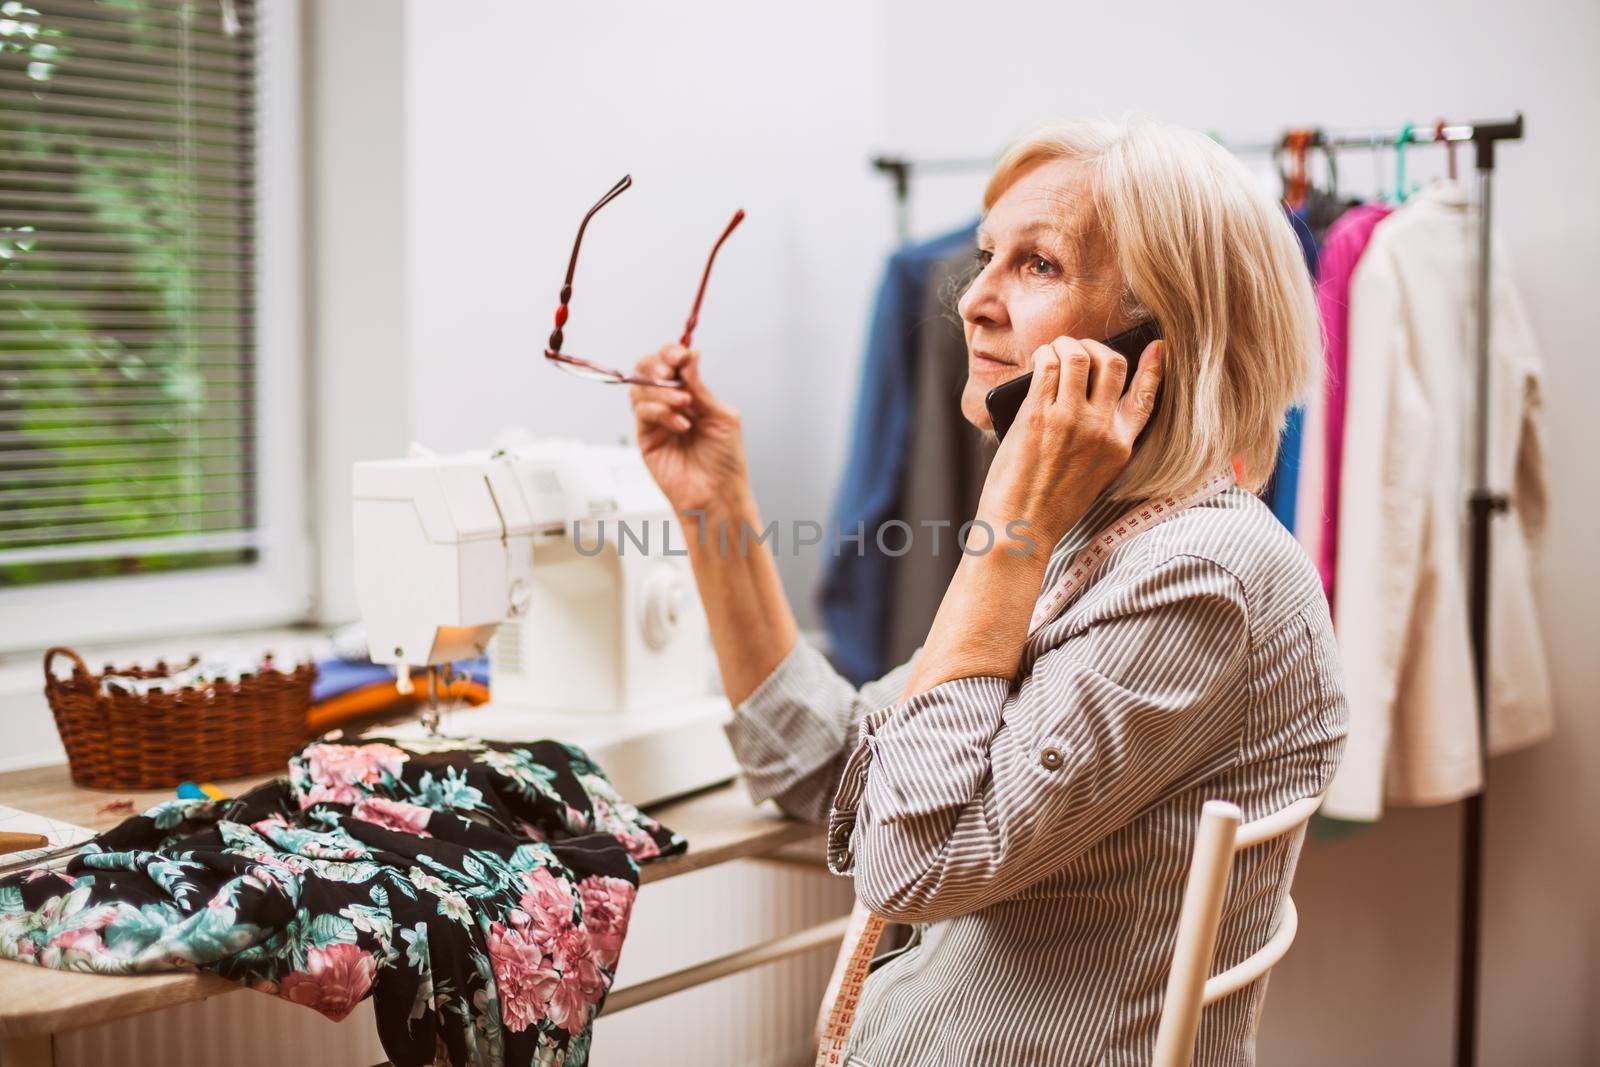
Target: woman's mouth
(981, 362)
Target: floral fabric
(479, 892)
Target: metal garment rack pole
(1483, 502)
(900, 169)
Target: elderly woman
(1025, 789)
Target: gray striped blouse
(1036, 830)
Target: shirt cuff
(785, 729)
(932, 756)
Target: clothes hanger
(1331, 159)
(1449, 148)
(1293, 177)
(1400, 142)
(1380, 195)
(1302, 163)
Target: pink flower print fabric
(479, 893)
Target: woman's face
(1044, 275)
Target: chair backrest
(1190, 987)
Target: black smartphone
(1004, 401)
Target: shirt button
(844, 858)
(1050, 757)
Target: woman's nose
(981, 304)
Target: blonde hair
(1199, 245)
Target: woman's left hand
(1073, 435)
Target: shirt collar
(1446, 192)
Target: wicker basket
(120, 739)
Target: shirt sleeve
(792, 734)
(1519, 457)
(972, 790)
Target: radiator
(760, 1018)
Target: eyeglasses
(593, 371)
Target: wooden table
(35, 1002)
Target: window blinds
(127, 287)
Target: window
(148, 330)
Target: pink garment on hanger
(1347, 239)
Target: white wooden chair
(1220, 837)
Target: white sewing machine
(563, 562)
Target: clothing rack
(1483, 503)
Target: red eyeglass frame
(593, 371)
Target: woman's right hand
(692, 442)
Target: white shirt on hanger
(1401, 615)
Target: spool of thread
(201, 791)
(11, 841)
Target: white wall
(453, 159)
(357, 237)
(1371, 980)
(519, 118)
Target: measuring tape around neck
(863, 931)
(1151, 513)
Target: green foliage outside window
(127, 215)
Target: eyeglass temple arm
(694, 312)
(572, 264)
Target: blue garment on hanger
(856, 582)
(1308, 238)
(1281, 492)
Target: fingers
(1046, 384)
(656, 367)
(675, 361)
(673, 358)
(687, 363)
(1139, 403)
(663, 366)
(1075, 363)
(675, 408)
(1110, 371)
(654, 413)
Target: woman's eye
(1041, 266)
(981, 257)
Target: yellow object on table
(15, 842)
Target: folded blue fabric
(336, 677)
